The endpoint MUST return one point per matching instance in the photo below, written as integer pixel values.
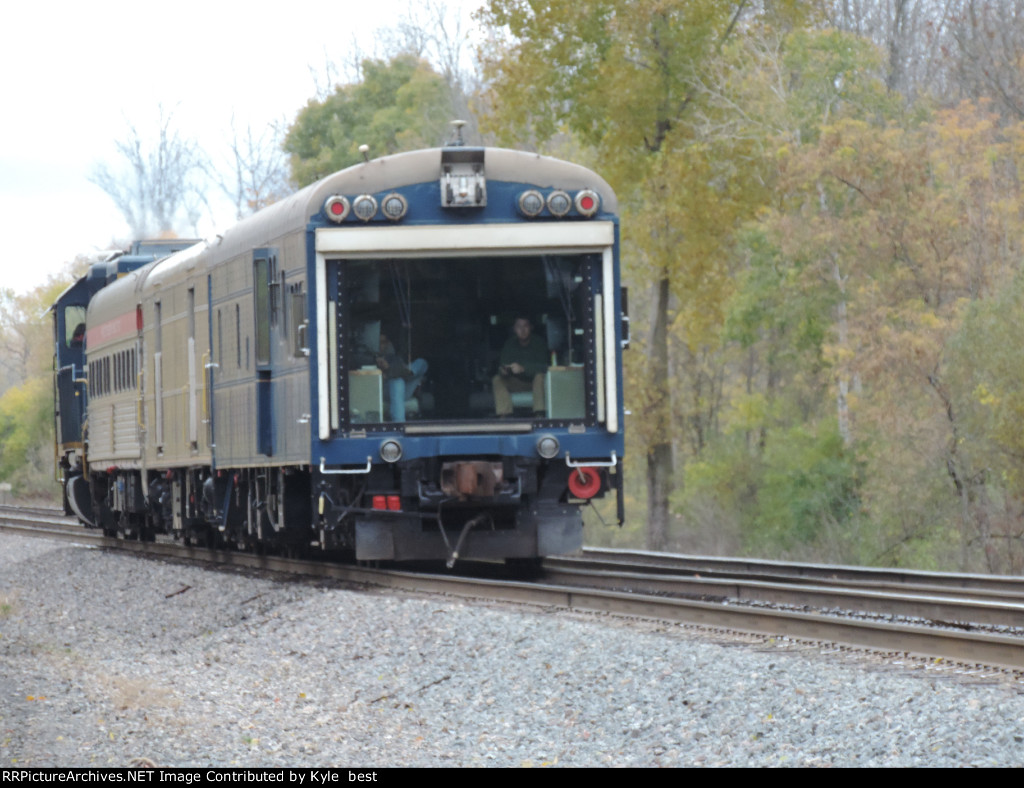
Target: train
(335, 372)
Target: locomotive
(234, 393)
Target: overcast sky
(76, 73)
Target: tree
(790, 328)
(905, 227)
(161, 191)
(26, 389)
(946, 50)
(985, 359)
(627, 78)
(258, 167)
(912, 34)
(685, 124)
(986, 41)
(431, 32)
(400, 104)
(26, 349)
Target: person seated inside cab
(400, 380)
(521, 367)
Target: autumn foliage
(823, 237)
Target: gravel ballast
(105, 658)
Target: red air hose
(584, 482)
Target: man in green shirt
(522, 364)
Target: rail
(959, 627)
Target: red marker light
(394, 503)
(380, 502)
(587, 202)
(336, 208)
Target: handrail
(591, 463)
(369, 465)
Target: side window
(74, 326)
(263, 305)
(159, 327)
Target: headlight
(559, 203)
(547, 447)
(394, 206)
(364, 207)
(391, 451)
(531, 203)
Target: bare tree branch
(259, 169)
(160, 192)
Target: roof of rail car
(113, 299)
(389, 172)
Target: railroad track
(852, 576)
(944, 600)
(969, 619)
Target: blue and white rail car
(442, 250)
(325, 372)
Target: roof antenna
(364, 149)
(457, 140)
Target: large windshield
(482, 338)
